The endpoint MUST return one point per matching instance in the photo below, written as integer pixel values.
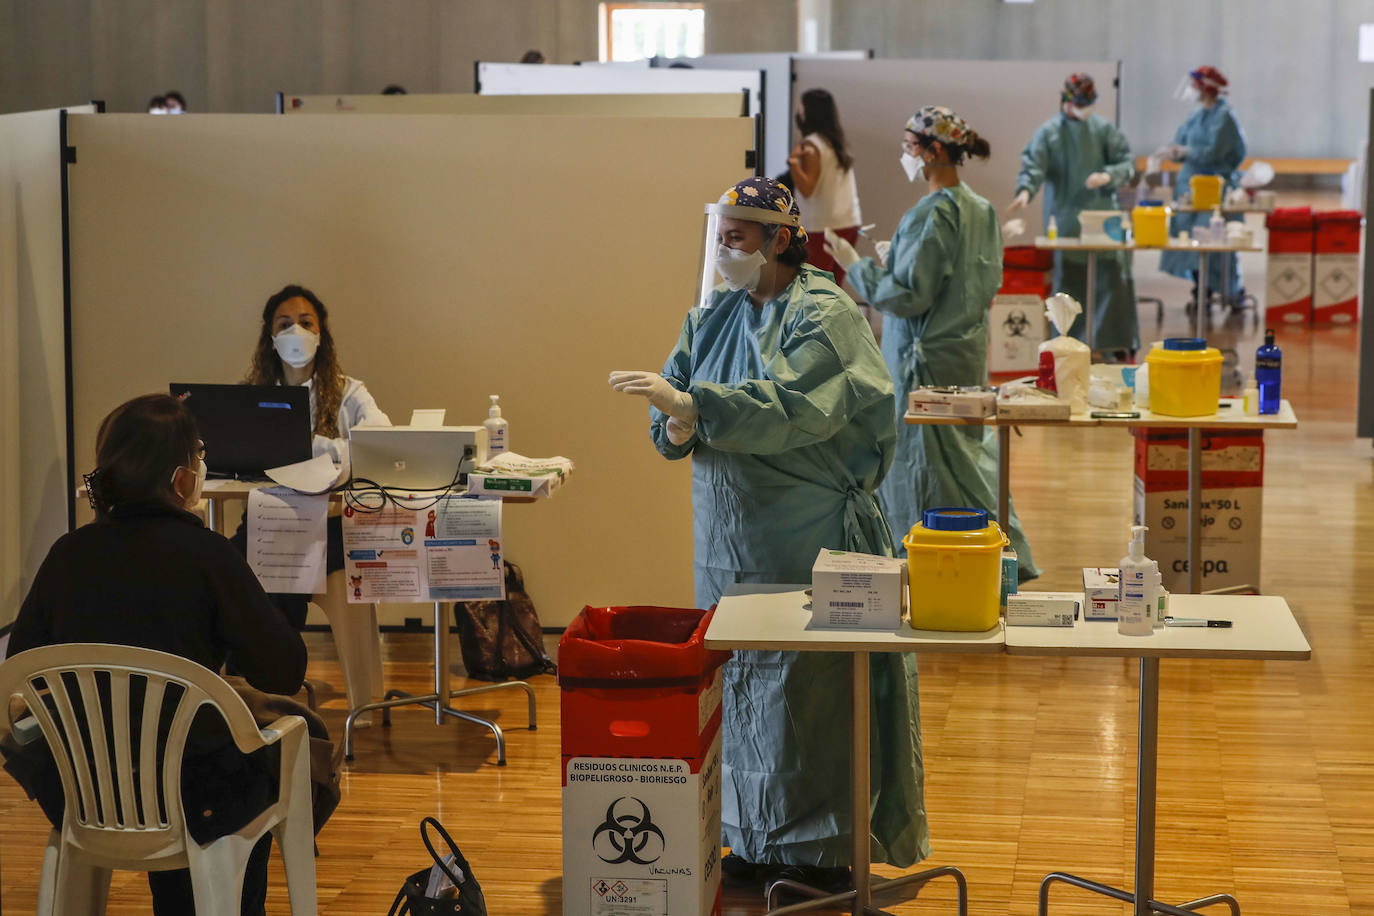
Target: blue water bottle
(1268, 373)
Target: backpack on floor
(502, 639)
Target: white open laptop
(415, 458)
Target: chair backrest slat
(74, 746)
(153, 814)
(124, 764)
(107, 815)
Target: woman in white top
(823, 173)
(296, 348)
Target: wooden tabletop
(1232, 418)
(1075, 244)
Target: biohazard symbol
(1016, 324)
(628, 836)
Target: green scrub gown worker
(1209, 142)
(1080, 158)
(942, 269)
(777, 391)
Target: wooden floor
(1266, 781)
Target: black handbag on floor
(446, 888)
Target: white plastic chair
(122, 816)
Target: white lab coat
(356, 409)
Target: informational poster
(286, 540)
(424, 550)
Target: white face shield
(735, 247)
(1187, 90)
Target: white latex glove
(1020, 201)
(659, 391)
(1097, 180)
(882, 248)
(839, 249)
(1178, 152)
(1013, 228)
(680, 433)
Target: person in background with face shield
(1081, 159)
(1209, 142)
(940, 273)
(777, 391)
(147, 573)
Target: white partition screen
(1005, 101)
(33, 386)
(635, 105)
(457, 260)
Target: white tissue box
(953, 402)
(1043, 609)
(857, 591)
(1101, 591)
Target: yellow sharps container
(1151, 224)
(1206, 191)
(954, 556)
(1185, 378)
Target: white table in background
(776, 618)
(1233, 418)
(1091, 249)
(1262, 628)
(219, 491)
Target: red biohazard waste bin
(1016, 316)
(1288, 267)
(641, 708)
(1336, 267)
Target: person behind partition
(1208, 142)
(532, 56)
(1080, 158)
(157, 105)
(823, 171)
(147, 573)
(941, 271)
(295, 347)
(777, 391)
(394, 89)
(175, 102)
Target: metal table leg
(1195, 510)
(1147, 759)
(1200, 300)
(439, 699)
(1003, 476)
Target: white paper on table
(427, 418)
(317, 475)
(286, 540)
(382, 559)
(463, 549)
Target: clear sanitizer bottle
(498, 430)
(1135, 604)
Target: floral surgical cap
(1079, 89)
(935, 122)
(764, 194)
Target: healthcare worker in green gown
(1208, 142)
(1081, 159)
(777, 391)
(941, 270)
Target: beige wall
(460, 256)
(232, 55)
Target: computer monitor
(249, 428)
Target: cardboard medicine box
(857, 591)
(1101, 592)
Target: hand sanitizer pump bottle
(1134, 614)
(498, 438)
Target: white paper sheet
(427, 418)
(314, 476)
(286, 540)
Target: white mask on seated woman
(296, 346)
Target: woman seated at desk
(296, 348)
(146, 573)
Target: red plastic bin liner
(638, 646)
(1027, 256)
(1298, 218)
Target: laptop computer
(413, 457)
(249, 428)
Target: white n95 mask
(296, 346)
(201, 471)
(1080, 113)
(739, 269)
(914, 166)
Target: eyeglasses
(200, 449)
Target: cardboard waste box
(1288, 267)
(1016, 317)
(1336, 267)
(641, 711)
